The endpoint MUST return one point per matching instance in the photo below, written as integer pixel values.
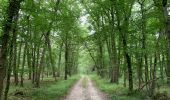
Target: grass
(49, 90)
(116, 91)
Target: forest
(84, 49)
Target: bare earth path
(84, 89)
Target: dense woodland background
(124, 41)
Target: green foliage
(113, 29)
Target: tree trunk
(66, 57)
(15, 51)
(123, 31)
(12, 10)
(127, 56)
(33, 63)
(143, 54)
(29, 63)
(59, 60)
(167, 30)
(101, 61)
(151, 67)
(39, 70)
(162, 67)
(111, 46)
(153, 84)
(91, 55)
(164, 6)
(40, 66)
(50, 54)
(23, 65)
(9, 69)
(37, 66)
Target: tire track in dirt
(84, 89)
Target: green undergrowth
(49, 90)
(116, 91)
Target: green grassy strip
(54, 92)
(48, 90)
(116, 91)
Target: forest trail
(84, 89)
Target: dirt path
(84, 89)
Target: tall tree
(12, 10)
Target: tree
(12, 10)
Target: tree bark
(153, 84)
(50, 55)
(40, 66)
(167, 30)
(39, 70)
(29, 63)
(66, 56)
(112, 51)
(15, 50)
(23, 65)
(59, 60)
(33, 63)
(143, 55)
(124, 30)
(12, 10)
(126, 54)
(9, 69)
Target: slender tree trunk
(29, 63)
(33, 63)
(153, 84)
(50, 55)
(167, 30)
(129, 71)
(23, 65)
(19, 57)
(29, 59)
(151, 67)
(162, 67)
(111, 46)
(8, 80)
(37, 66)
(124, 74)
(146, 69)
(40, 67)
(91, 55)
(115, 69)
(15, 51)
(101, 61)
(66, 57)
(9, 69)
(140, 71)
(59, 59)
(143, 55)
